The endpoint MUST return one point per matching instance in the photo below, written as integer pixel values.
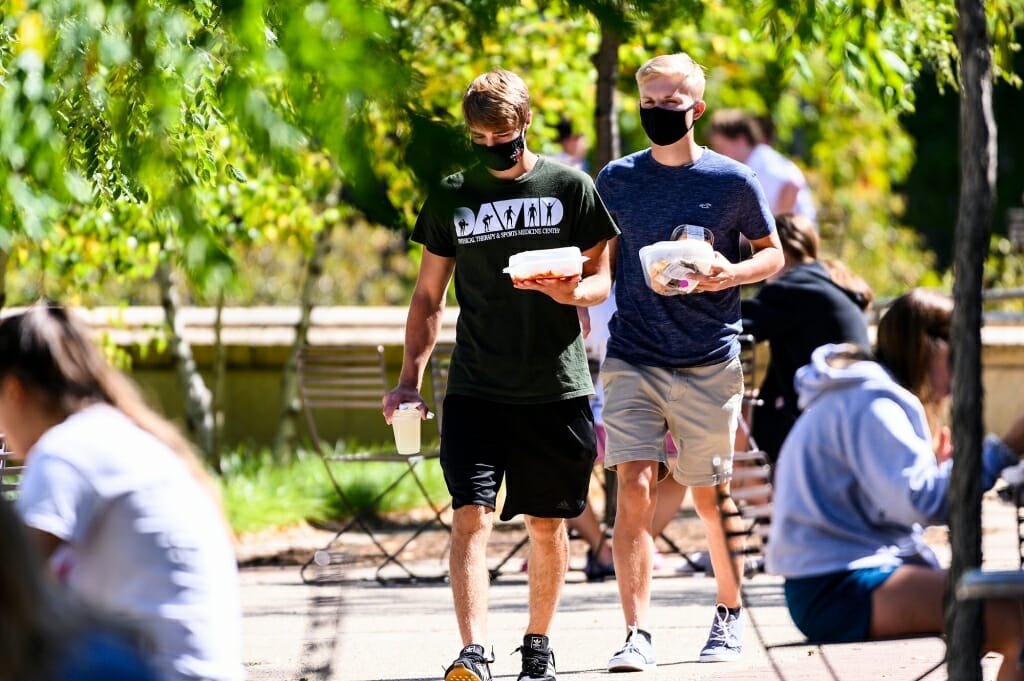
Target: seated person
(116, 498)
(804, 305)
(599, 564)
(48, 635)
(858, 477)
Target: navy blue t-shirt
(648, 200)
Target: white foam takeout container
(666, 264)
(546, 263)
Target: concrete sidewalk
(358, 630)
(361, 631)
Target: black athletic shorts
(545, 451)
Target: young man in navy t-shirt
(673, 360)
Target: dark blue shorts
(836, 607)
(544, 452)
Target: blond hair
(679, 65)
(496, 100)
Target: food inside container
(545, 263)
(668, 264)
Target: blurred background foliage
(224, 136)
(227, 139)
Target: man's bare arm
(422, 325)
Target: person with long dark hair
(123, 510)
(802, 307)
(859, 477)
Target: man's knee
(637, 478)
(710, 501)
(471, 519)
(545, 529)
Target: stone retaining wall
(257, 342)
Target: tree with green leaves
(198, 136)
(141, 111)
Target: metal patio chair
(335, 378)
(751, 474)
(10, 474)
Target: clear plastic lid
(667, 265)
(409, 409)
(692, 232)
(546, 263)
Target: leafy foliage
(224, 136)
(261, 492)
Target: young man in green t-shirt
(518, 386)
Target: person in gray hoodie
(858, 478)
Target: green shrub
(261, 492)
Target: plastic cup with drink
(406, 422)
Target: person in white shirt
(120, 504)
(740, 137)
(574, 146)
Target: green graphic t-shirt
(513, 346)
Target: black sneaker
(595, 570)
(538, 659)
(470, 665)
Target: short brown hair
(496, 100)
(679, 65)
(733, 123)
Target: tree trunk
(287, 428)
(606, 127)
(977, 190)
(198, 407)
(3, 278)
(606, 123)
(220, 372)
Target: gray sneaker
(725, 642)
(637, 655)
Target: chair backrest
(752, 473)
(748, 355)
(752, 490)
(340, 377)
(440, 360)
(10, 475)
(749, 362)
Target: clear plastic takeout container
(546, 263)
(668, 264)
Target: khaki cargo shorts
(698, 406)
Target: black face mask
(665, 127)
(501, 156)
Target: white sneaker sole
(631, 667)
